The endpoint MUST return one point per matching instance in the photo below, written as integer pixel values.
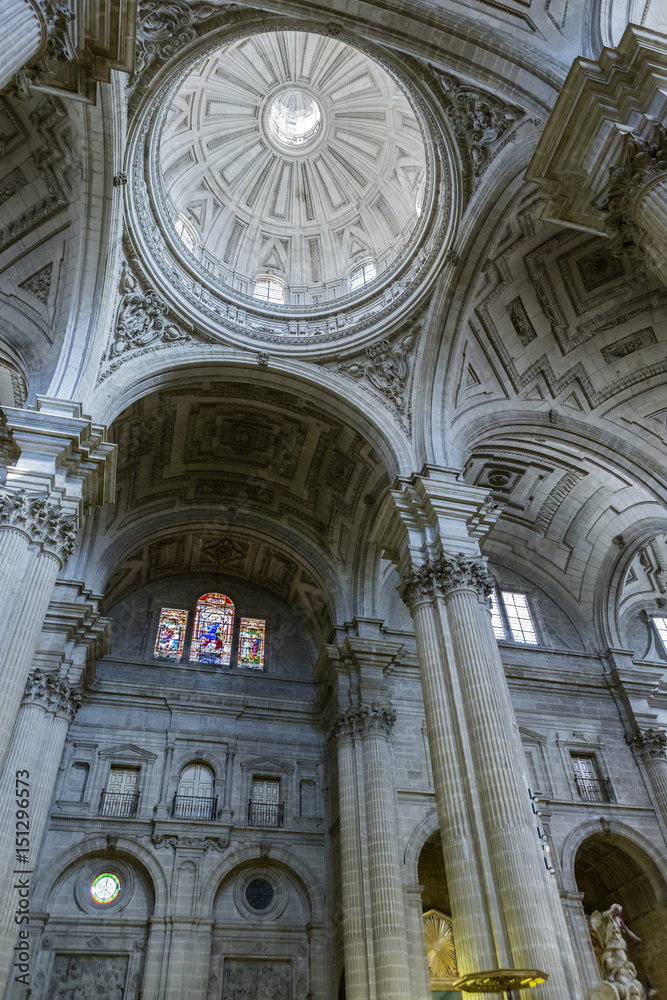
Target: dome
(296, 156)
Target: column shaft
(21, 37)
(354, 923)
(475, 948)
(517, 866)
(392, 967)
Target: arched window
(186, 232)
(269, 289)
(362, 275)
(212, 632)
(194, 798)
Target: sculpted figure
(612, 932)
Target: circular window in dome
(105, 888)
(294, 117)
(259, 894)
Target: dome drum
(292, 156)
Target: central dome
(294, 117)
(292, 169)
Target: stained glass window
(105, 888)
(212, 632)
(171, 634)
(251, 643)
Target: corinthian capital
(417, 585)
(44, 523)
(375, 720)
(53, 693)
(458, 573)
(649, 744)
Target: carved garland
(44, 523)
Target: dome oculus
(294, 117)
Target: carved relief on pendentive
(523, 327)
(628, 345)
(477, 118)
(386, 367)
(39, 283)
(164, 28)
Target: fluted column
(475, 947)
(354, 920)
(48, 707)
(35, 540)
(650, 747)
(392, 967)
(23, 32)
(518, 868)
(421, 978)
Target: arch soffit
(310, 889)
(174, 368)
(215, 763)
(621, 835)
(426, 827)
(612, 573)
(126, 849)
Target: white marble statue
(620, 975)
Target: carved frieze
(43, 522)
(52, 692)
(248, 980)
(88, 977)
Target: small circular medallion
(105, 888)
(259, 894)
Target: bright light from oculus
(105, 888)
(294, 117)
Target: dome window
(362, 275)
(294, 117)
(269, 290)
(186, 232)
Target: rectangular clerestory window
(661, 629)
(512, 618)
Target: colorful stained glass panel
(251, 643)
(212, 632)
(171, 634)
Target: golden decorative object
(497, 980)
(440, 948)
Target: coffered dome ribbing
(293, 155)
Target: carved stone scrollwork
(54, 693)
(387, 368)
(44, 523)
(649, 744)
(58, 14)
(477, 117)
(164, 28)
(646, 160)
(142, 318)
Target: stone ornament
(444, 575)
(244, 980)
(651, 744)
(387, 367)
(646, 159)
(53, 693)
(477, 118)
(164, 28)
(367, 720)
(88, 976)
(620, 974)
(44, 523)
(142, 318)
(440, 950)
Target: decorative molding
(478, 118)
(52, 692)
(648, 744)
(43, 522)
(177, 840)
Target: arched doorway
(438, 933)
(611, 869)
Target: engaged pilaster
(649, 746)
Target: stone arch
(426, 827)
(614, 572)
(310, 889)
(617, 832)
(90, 847)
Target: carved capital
(375, 720)
(44, 523)
(458, 573)
(418, 585)
(53, 693)
(649, 744)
